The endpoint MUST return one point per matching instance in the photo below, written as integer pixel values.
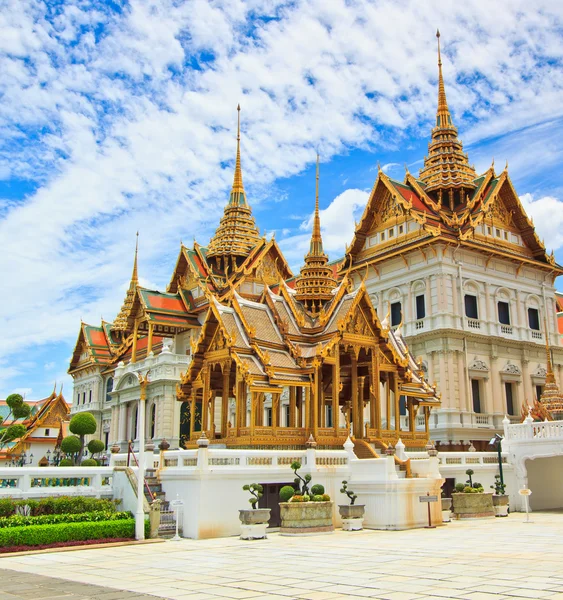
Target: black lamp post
(497, 441)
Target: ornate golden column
(192, 413)
(134, 347)
(336, 389)
(149, 341)
(354, 395)
(205, 398)
(292, 406)
(225, 399)
(253, 403)
(316, 401)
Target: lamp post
(140, 513)
(497, 441)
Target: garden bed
(11, 549)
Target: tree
(82, 424)
(19, 410)
(95, 447)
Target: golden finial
(442, 102)
(134, 276)
(378, 167)
(237, 181)
(506, 165)
(407, 169)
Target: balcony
(506, 330)
(418, 325)
(473, 324)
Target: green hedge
(40, 535)
(57, 505)
(21, 520)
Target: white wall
(545, 479)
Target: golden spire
(443, 117)
(316, 247)
(238, 187)
(237, 233)
(315, 283)
(120, 323)
(446, 168)
(551, 398)
(134, 276)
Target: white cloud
(338, 221)
(104, 113)
(547, 213)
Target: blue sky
(120, 116)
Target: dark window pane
(109, 388)
(539, 391)
(420, 307)
(471, 307)
(503, 313)
(476, 393)
(534, 318)
(395, 313)
(402, 405)
(509, 398)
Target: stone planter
(352, 516)
(302, 518)
(500, 504)
(473, 506)
(253, 523)
(446, 510)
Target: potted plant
(304, 510)
(352, 514)
(446, 509)
(254, 521)
(500, 498)
(470, 500)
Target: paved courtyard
(476, 560)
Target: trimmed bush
(96, 446)
(286, 493)
(318, 489)
(89, 462)
(38, 535)
(57, 505)
(83, 424)
(71, 445)
(90, 517)
(66, 462)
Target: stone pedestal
(303, 518)
(352, 524)
(253, 532)
(473, 506)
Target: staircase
(167, 527)
(364, 450)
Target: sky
(120, 116)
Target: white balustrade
(38, 482)
(462, 458)
(547, 430)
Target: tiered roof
(237, 233)
(315, 285)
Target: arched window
(109, 388)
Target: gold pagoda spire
(315, 283)
(551, 398)
(238, 187)
(237, 233)
(120, 323)
(446, 169)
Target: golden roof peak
(237, 233)
(134, 275)
(446, 166)
(315, 283)
(120, 323)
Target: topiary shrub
(301, 483)
(89, 462)
(459, 487)
(66, 462)
(71, 445)
(351, 495)
(299, 498)
(96, 446)
(82, 424)
(286, 493)
(318, 498)
(317, 489)
(256, 490)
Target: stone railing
(37, 482)
(211, 458)
(547, 430)
(455, 459)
